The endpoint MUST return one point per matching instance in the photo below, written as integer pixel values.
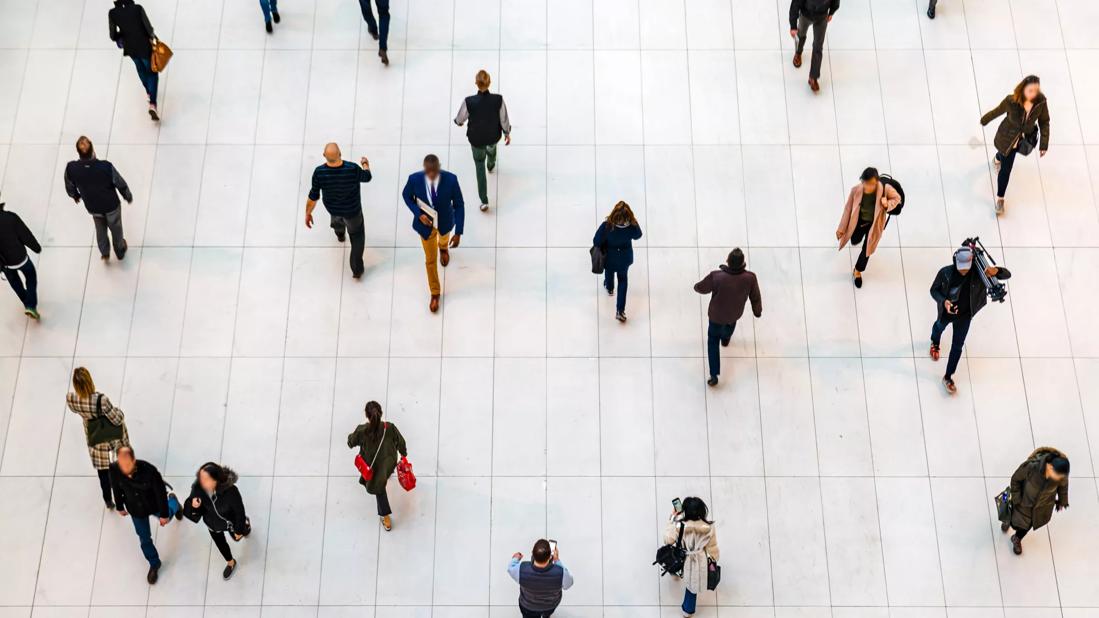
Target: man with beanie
(18, 269)
(960, 294)
(488, 121)
(541, 580)
(99, 184)
(1038, 487)
(730, 287)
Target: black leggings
(222, 545)
(862, 234)
(105, 484)
(383, 504)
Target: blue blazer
(618, 241)
(450, 205)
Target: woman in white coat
(700, 541)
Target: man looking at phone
(960, 294)
(541, 580)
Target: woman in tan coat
(864, 215)
(700, 541)
(89, 404)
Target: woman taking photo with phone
(615, 237)
(700, 543)
(379, 443)
(216, 500)
(1025, 113)
(104, 427)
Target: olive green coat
(386, 461)
(1033, 496)
(1016, 123)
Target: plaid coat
(100, 453)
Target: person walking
(864, 216)
(959, 294)
(542, 580)
(130, 30)
(1024, 127)
(140, 492)
(730, 287)
(338, 182)
(18, 269)
(435, 199)
(816, 13)
(488, 121)
(216, 500)
(1038, 487)
(104, 427)
(699, 540)
(270, 10)
(379, 29)
(615, 236)
(379, 443)
(99, 184)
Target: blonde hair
(483, 80)
(621, 214)
(82, 383)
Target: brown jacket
(1017, 122)
(850, 217)
(1033, 496)
(730, 289)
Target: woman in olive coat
(379, 443)
(1038, 486)
(1025, 112)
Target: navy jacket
(618, 241)
(450, 205)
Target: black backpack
(889, 181)
(672, 558)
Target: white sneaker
(999, 206)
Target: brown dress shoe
(434, 303)
(814, 85)
(934, 352)
(797, 61)
(384, 56)
(387, 523)
(1016, 545)
(444, 258)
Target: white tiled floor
(845, 482)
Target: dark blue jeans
(383, 17)
(623, 286)
(27, 292)
(715, 335)
(145, 533)
(961, 329)
(1006, 163)
(267, 6)
(689, 600)
(149, 78)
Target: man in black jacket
(140, 491)
(488, 121)
(960, 294)
(98, 183)
(817, 13)
(15, 239)
(131, 31)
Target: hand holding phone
(677, 505)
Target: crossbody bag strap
(99, 404)
(385, 427)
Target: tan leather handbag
(161, 55)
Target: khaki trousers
(431, 258)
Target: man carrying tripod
(960, 290)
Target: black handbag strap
(679, 538)
(99, 404)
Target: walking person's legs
(368, 17)
(431, 264)
(118, 239)
(491, 152)
(820, 28)
(222, 545)
(383, 23)
(713, 351)
(339, 226)
(16, 283)
(149, 78)
(102, 240)
(479, 156)
(24, 282)
(384, 507)
(957, 343)
(265, 6)
(105, 486)
(623, 286)
(803, 30)
(145, 537)
(608, 280)
(690, 600)
(356, 231)
(1003, 177)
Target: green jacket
(1033, 496)
(386, 461)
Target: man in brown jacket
(1038, 486)
(730, 287)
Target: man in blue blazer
(438, 190)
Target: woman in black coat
(131, 31)
(1025, 113)
(216, 500)
(616, 236)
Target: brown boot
(814, 85)
(444, 257)
(797, 61)
(434, 306)
(1016, 545)
(387, 523)
(384, 56)
(1005, 527)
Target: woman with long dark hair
(104, 427)
(216, 500)
(379, 443)
(700, 543)
(1025, 113)
(616, 236)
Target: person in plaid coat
(83, 401)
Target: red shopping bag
(405, 476)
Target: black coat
(813, 9)
(1033, 496)
(949, 281)
(224, 512)
(15, 239)
(142, 494)
(1016, 123)
(97, 183)
(130, 25)
(618, 242)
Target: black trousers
(820, 27)
(533, 614)
(105, 485)
(222, 545)
(383, 504)
(861, 233)
(353, 227)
